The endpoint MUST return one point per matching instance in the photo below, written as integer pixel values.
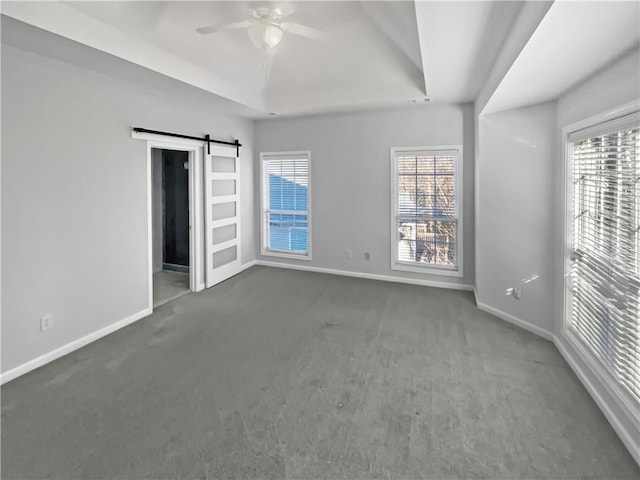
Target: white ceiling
(459, 43)
(130, 75)
(572, 42)
(372, 53)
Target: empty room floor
(286, 374)
(168, 285)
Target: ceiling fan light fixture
(265, 34)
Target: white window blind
(604, 274)
(285, 203)
(426, 207)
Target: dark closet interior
(175, 184)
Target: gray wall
(529, 17)
(616, 84)
(520, 197)
(350, 179)
(74, 226)
(515, 210)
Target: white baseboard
(628, 431)
(368, 276)
(530, 327)
(625, 428)
(70, 347)
(248, 265)
(428, 283)
(81, 342)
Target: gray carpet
(285, 374)
(168, 285)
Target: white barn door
(222, 214)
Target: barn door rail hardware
(207, 138)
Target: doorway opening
(171, 224)
(210, 206)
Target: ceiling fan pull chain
(266, 71)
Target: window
(286, 204)
(426, 227)
(603, 275)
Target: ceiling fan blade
(303, 31)
(285, 9)
(227, 26)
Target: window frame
(458, 270)
(264, 194)
(599, 124)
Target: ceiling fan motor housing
(267, 31)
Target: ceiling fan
(266, 26)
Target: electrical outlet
(517, 293)
(367, 256)
(348, 254)
(46, 322)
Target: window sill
(290, 255)
(427, 269)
